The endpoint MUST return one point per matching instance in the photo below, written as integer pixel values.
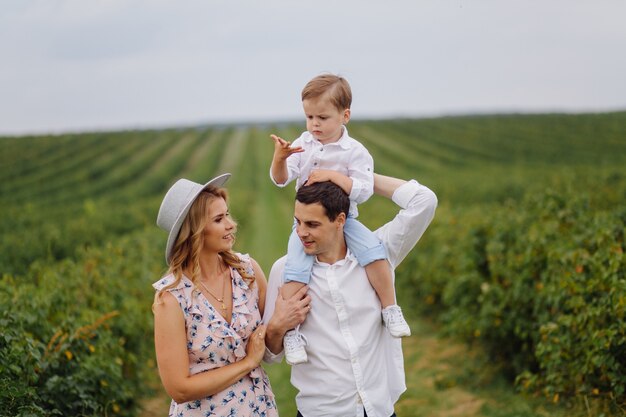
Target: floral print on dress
(213, 342)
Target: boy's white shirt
(347, 156)
(354, 363)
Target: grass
(468, 161)
(444, 377)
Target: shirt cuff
(403, 194)
(271, 357)
(356, 190)
(275, 183)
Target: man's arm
(386, 186)
(281, 315)
(418, 204)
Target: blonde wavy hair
(185, 255)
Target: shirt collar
(343, 140)
(348, 258)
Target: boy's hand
(283, 149)
(321, 175)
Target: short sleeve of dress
(180, 291)
(246, 262)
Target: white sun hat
(176, 205)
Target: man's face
(318, 234)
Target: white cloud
(70, 64)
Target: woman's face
(219, 232)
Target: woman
(209, 338)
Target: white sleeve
(274, 282)
(361, 171)
(400, 235)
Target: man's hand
(283, 149)
(288, 314)
(292, 311)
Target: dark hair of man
(328, 194)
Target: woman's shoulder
(170, 279)
(246, 261)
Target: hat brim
(171, 239)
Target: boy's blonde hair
(337, 87)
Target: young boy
(325, 152)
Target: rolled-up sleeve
(270, 357)
(271, 294)
(400, 235)
(361, 171)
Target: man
(354, 367)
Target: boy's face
(323, 120)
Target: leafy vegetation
(525, 258)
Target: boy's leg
(298, 265)
(290, 288)
(371, 254)
(379, 275)
(297, 274)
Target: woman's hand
(256, 347)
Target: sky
(80, 65)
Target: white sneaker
(394, 321)
(294, 343)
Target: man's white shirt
(353, 362)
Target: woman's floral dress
(212, 342)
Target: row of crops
(525, 256)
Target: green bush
(541, 284)
(76, 336)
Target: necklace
(219, 300)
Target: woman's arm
(170, 341)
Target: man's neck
(335, 254)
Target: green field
(522, 266)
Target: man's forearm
(274, 338)
(386, 186)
